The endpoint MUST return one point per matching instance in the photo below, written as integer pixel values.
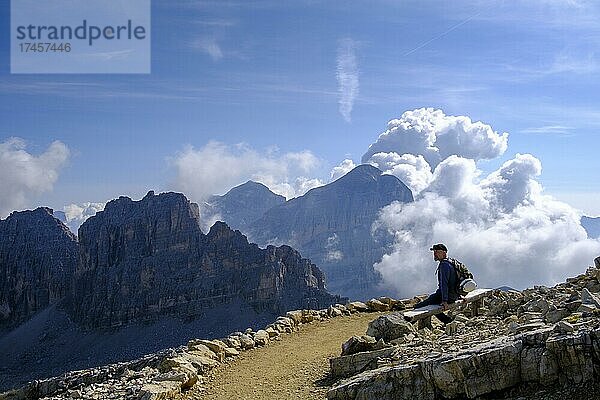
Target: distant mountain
(241, 205)
(592, 226)
(331, 225)
(38, 255)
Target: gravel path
(295, 367)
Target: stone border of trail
(173, 371)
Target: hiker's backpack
(464, 281)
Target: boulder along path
(295, 367)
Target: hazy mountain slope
(242, 205)
(331, 225)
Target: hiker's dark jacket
(447, 278)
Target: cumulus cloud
(503, 226)
(77, 214)
(347, 77)
(24, 175)
(436, 136)
(332, 248)
(342, 169)
(411, 169)
(216, 167)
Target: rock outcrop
(331, 225)
(38, 255)
(143, 259)
(526, 341)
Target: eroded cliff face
(331, 225)
(142, 259)
(38, 254)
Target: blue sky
(264, 73)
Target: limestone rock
(377, 305)
(272, 332)
(352, 364)
(159, 391)
(334, 312)
(390, 327)
(231, 352)
(357, 344)
(565, 327)
(357, 306)
(261, 338)
(588, 298)
(246, 342)
(215, 346)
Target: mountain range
(142, 276)
(330, 224)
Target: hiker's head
(440, 251)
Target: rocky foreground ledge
(541, 337)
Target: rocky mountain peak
(252, 187)
(366, 177)
(362, 172)
(241, 205)
(38, 254)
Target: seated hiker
(447, 283)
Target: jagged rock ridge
(142, 259)
(38, 255)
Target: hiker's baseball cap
(439, 246)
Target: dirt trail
(295, 367)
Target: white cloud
(342, 169)
(502, 226)
(347, 77)
(550, 130)
(436, 136)
(24, 175)
(77, 214)
(209, 46)
(216, 167)
(333, 253)
(412, 170)
(587, 202)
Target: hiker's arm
(444, 278)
